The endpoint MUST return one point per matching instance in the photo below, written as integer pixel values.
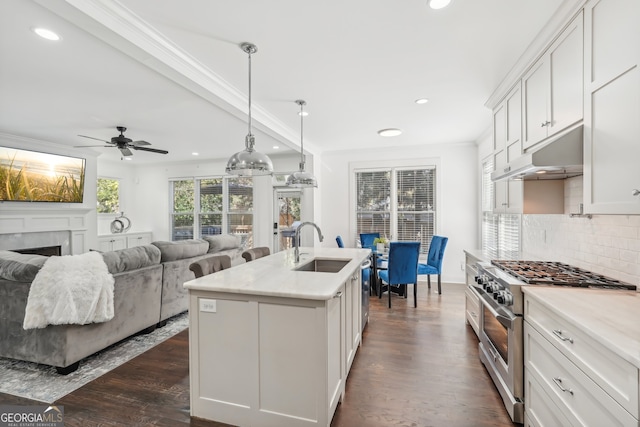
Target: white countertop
(610, 317)
(274, 275)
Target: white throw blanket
(72, 289)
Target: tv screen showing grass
(31, 176)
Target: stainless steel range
(498, 285)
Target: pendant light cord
(301, 139)
(250, 139)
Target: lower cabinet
(472, 301)
(114, 242)
(570, 378)
(271, 361)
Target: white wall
(150, 198)
(457, 195)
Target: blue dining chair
(402, 269)
(339, 241)
(434, 260)
(366, 239)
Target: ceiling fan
(124, 144)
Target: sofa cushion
(20, 267)
(221, 242)
(173, 251)
(131, 258)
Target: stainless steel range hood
(559, 159)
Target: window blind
(373, 203)
(415, 206)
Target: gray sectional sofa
(147, 291)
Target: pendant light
(302, 178)
(249, 162)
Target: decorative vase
(380, 247)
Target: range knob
(492, 287)
(504, 297)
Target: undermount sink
(322, 265)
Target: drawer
(615, 375)
(540, 410)
(580, 399)
(472, 310)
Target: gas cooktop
(558, 274)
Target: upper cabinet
(612, 107)
(507, 131)
(552, 89)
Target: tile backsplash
(605, 244)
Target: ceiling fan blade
(153, 150)
(90, 146)
(97, 139)
(139, 143)
(125, 151)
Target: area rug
(44, 384)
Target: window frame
(196, 212)
(394, 165)
(119, 207)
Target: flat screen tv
(31, 176)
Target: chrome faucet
(296, 239)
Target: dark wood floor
(416, 367)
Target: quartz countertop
(275, 275)
(611, 317)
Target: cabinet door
(336, 370)
(353, 317)
(566, 63)
(513, 131)
(612, 107)
(500, 133)
(535, 93)
(138, 240)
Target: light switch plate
(208, 305)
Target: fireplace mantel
(28, 219)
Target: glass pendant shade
(302, 178)
(249, 162)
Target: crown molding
(541, 42)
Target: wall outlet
(208, 305)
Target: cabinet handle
(558, 333)
(558, 382)
(507, 169)
(547, 123)
(338, 295)
(635, 192)
(505, 204)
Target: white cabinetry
(114, 242)
(612, 107)
(507, 136)
(267, 360)
(552, 90)
(571, 378)
(353, 306)
(472, 301)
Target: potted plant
(380, 243)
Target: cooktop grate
(558, 274)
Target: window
(108, 195)
(208, 206)
(500, 231)
(397, 202)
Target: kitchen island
(271, 341)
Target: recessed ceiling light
(438, 4)
(276, 147)
(46, 34)
(389, 132)
(303, 114)
(195, 154)
(422, 101)
(128, 158)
